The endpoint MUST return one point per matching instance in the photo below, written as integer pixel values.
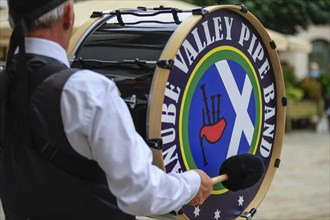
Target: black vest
(40, 173)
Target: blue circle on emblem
(212, 116)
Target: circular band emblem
(221, 99)
(222, 87)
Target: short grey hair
(46, 20)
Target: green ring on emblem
(213, 56)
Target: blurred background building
(304, 55)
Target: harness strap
(3, 88)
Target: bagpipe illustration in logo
(220, 100)
(216, 125)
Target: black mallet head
(243, 171)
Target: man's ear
(68, 15)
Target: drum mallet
(240, 172)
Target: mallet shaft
(219, 179)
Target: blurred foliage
(289, 75)
(311, 87)
(294, 94)
(325, 87)
(282, 15)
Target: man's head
(50, 19)
(30, 10)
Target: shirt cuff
(195, 182)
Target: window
(321, 55)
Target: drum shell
(132, 51)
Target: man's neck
(53, 34)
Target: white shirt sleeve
(99, 126)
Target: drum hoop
(161, 76)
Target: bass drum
(124, 45)
(202, 85)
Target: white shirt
(99, 126)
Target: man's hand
(205, 189)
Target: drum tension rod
(250, 214)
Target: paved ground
(300, 189)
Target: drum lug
(244, 9)
(165, 64)
(249, 215)
(277, 163)
(96, 14)
(155, 143)
(200, 11)
(272, 44)
(284, 101)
